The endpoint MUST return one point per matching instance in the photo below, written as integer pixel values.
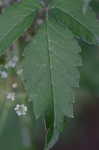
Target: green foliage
(51, 58)
(86, 5)
(90, 71)
(95, 5)
(51, 75)
(71, 14)
(14, 22)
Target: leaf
(95, 6)
(89, 72)
(14, 21)
(50, 73)
(71, 14)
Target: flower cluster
(21, 110)
(14, 85)
(3, 74)
(12, 63)
(11, 96)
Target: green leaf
(50, 73)
(89, 71)
(71, 14)
(14, 21)
(95, 6)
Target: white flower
(12, 63)
(3, 74)
(11, 96)
(14, 85)
(40, 21)
(20, 109)
(20, 71)
(15, 58)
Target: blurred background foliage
(25, 133)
